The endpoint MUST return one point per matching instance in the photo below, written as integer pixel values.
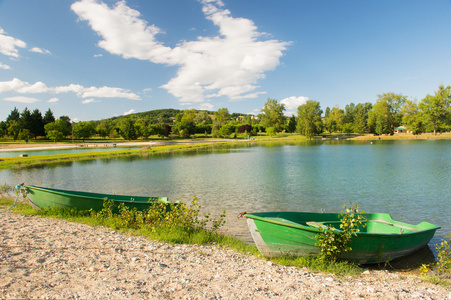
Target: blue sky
(92, 59)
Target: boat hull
(40, 197)
(288, 233)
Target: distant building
(401, 129)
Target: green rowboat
(41, 197)
(293, 233)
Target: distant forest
(391, 112)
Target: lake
(410, 179)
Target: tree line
(431, 114)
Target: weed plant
(333, 242)
(440, 271)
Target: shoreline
(49, 258)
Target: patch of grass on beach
(182, 224)
(317, 264)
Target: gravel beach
(55, 259)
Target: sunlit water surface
(411, 180)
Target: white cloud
(24, 87)
(98, 55)
(205, 106)
(228, 65)
(21, 99)
(9, 45)
(40, 50)
(89, 101)
(108, 92)
(53, 100)
(129, 112)
(4, 67)
(292, 103)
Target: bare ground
(54, 259)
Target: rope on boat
(19, 188)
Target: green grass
(20, 162)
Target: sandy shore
(54, 259)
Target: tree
(226, 130)
(54, 130)
(360, 118)
(48, 117)
(436, 109)
(14, 115)
(245, 128)
(291, 126)
(273, 115)
(37, 124)
(24, 135)
(25, 121)
(309, 119)
(336, 119)
(184, 123)
(54, 135)
(221, 117)
(104, 128)
(66, 125)
(13, 129)
(127, 129)
(385, 115)
(202, 117)
(412, 117)
(84, 130)
(3, 129)
(349, 113)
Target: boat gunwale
(373, 234)
(91, 196)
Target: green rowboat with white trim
(294, 233)
(42, 197)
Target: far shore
(5, 147)
(20, 146)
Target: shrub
(333, 242)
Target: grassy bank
(20, 162)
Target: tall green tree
(202, 117)
(291, 126)
(436, 109)
(25, 121)
(309, 119)
(385, 115)
(66, 125)
(48, 117)
(14, 115)
(54, 130)
(13, 129)
(185, 125)
(37, 128)
(412, 117)
(273, 115)
(84, 130)
(360, 118)
(220, 118)
(127, 129)
(104, 128)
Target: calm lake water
(411, 179)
